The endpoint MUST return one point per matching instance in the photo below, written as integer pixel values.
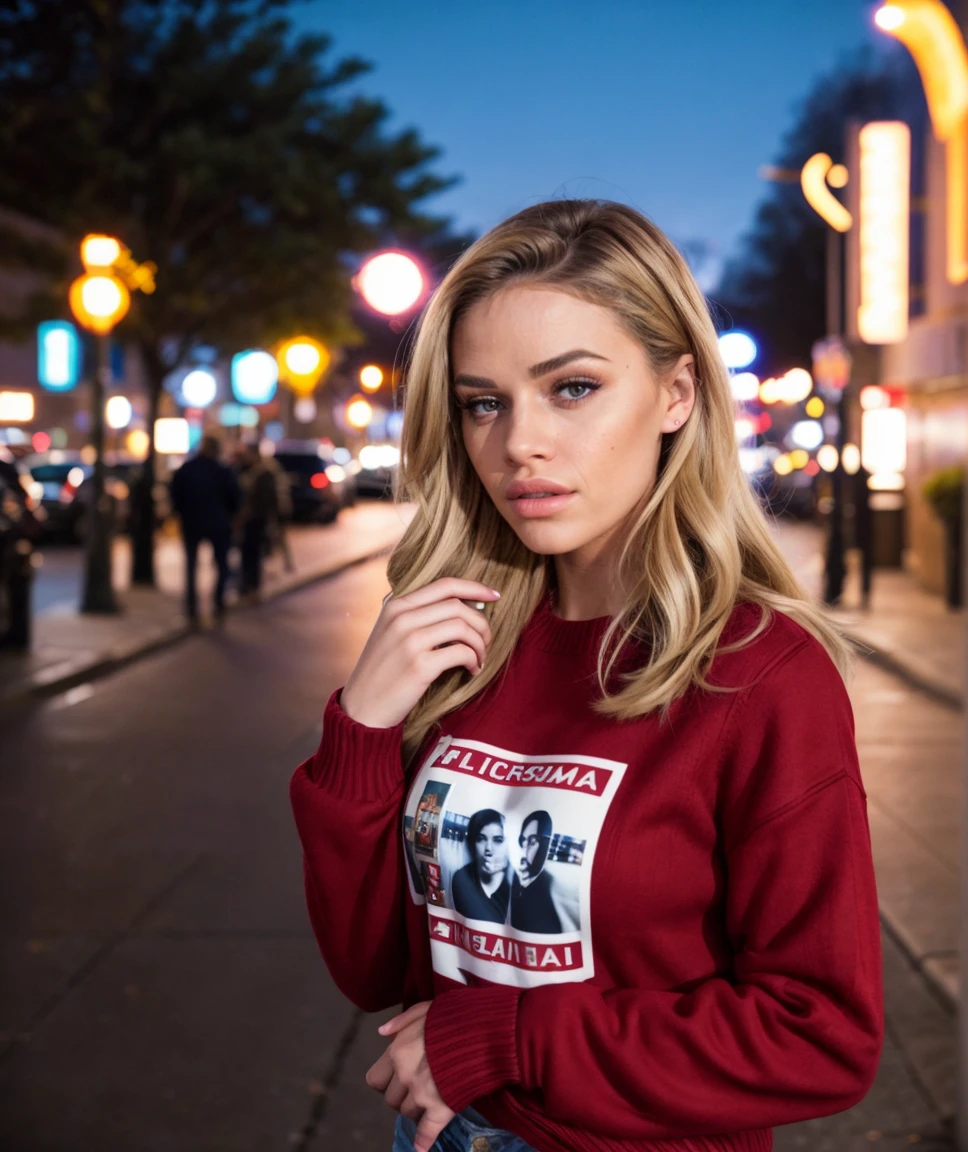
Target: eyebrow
(463, 380)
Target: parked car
(64, 487)
(320, 487)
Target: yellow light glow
(782, 466)
(838, 176)
(797, 385)
(851, 459)
(889, 17)
(99, 251)
(98, 301)
(16, 407)
(886, 482)
(371, 377)
(171, 436)
(813, 181)
(827, 457)
(814, 407)
(88, 454)
(302, 358)
(930, 33)
(874, 397)
(302, 361)
(359, 413)
(885, 181)
(883, 440)
(136, 442)
(799, 457)
(745, 428)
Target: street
(160, 987)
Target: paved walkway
(909, 710)
(70, 648)
(908, 702)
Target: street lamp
(391, 283)
(930, 33)
(99, 299)
(302, 361)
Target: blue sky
(671, 107)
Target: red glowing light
(812, 468)
(319, 480)
(40, 441)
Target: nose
(528, 432)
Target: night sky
(670, 107)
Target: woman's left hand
(402, 1074)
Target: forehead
(519, 326)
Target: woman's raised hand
(416, 638)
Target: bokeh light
(390, 282)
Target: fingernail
(496, 593)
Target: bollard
(19, 585)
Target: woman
(644, 651)
(480, 889)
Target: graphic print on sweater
(500, 848)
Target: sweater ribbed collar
(547, 631)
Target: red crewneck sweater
(663, 937)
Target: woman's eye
(561, 391)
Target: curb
(937, 690)
(51, 682)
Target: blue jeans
(467, 1132)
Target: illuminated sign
(818, 171)
(58, 355)
(885, 181)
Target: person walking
(205, 496)
(590, 618)
(259, 510)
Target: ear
(680, 398)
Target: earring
(678, 422)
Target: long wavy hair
(698, 543)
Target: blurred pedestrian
(278, 534)
(205, 495)
(260, 509)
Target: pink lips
(518, 488)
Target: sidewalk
(910, 739)
(906, 630)
(70, 648)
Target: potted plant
(944, 492)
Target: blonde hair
(700, 542)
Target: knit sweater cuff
(470, 1036)
(355, 762)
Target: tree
(776, 284)
(217, 143)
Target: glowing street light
(118, 412)
(359, 413)
(738, 349)
(391, 283)
(302, 361)
(199, 388)
(99, 299)
(930, 33)
(371, 377)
